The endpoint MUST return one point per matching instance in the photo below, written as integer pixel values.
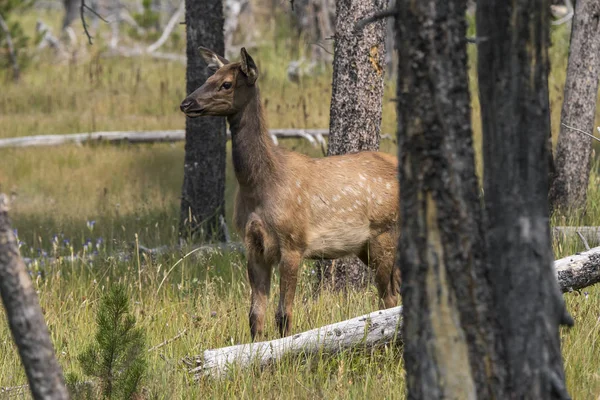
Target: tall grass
(97, 198)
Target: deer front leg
(259, 275)
(288, 270)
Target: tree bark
(513, 89)
(71, 12)
(203, 192)
(573, 161)
(355, 114)
(448, 330)
(25, 318)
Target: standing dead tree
(25, 318)
(449, 329)
(513, 71)
(356, 106)
(573, 152)
(203, 189)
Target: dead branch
(11, 49)
(166, 342)
(83, 22)
(590, 233)
(25, 317)
(568, 14)
(581, 131)
(375, 17)
(168, 29)
(82, 9)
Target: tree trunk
(513, 88)
(71, 12)
(573, 151)
(355, 115)
(448, 330)
(25, 318)
(203, 192)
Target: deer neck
(255, 156)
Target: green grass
(131, 190)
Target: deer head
(226, 91)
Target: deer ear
(248, 67)
(213, 60)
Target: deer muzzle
(191, 108)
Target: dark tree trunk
(71, 12)
(513, 89)
(25, 318)
(573, 161)
(355, 115)
(449, 326)
(203, 192)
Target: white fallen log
(374, 329)
(578, 270)
(368, 331)
(138, 51)
(176, 135)
(124, 256)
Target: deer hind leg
(288, 270)
(261, 252)
(381, 255)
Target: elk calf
(291, 207)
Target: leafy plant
(147, 18)
(20, 41)
(117, 357)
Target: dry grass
(129, 190)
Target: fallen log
(367, 331)
(314, 136)
(176, 135)
(374, 329)
(124, 256)
(579, 270)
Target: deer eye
(226, 85)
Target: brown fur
(291, 207)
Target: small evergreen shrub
(117, 356)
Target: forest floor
(100, 198)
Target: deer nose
(187, 103)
